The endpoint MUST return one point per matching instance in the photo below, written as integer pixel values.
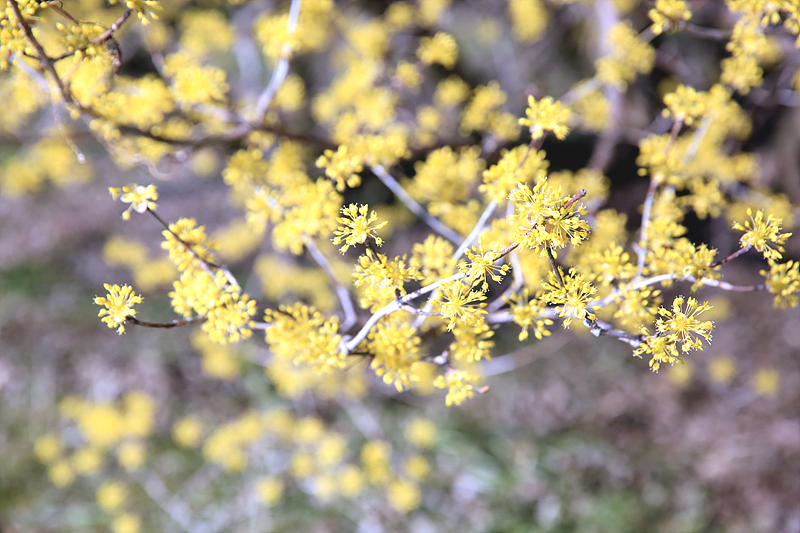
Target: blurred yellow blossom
(765, 381)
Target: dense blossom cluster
(501, 240)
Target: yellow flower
(542, 221)
(460, 385)
(546, 115)
(111, 496)
(87, 461)
(118, 306)
(417, 467)
(61, 473)
(351, 481)
(230, 319)
(759, 233)
(441, 48)
(661, 348)
(375, 455)
(765, 381)
(573, 296)
(630, 56)
(683, 323)
(47, 448)
(783, 280)
(722, 369)
(404, 496)
(131, 455)
(528, 314)
(356, 227)
(481, 265)
(342, 166)
(127, 523)
(667, 13)
(461, 303)
(421, 432)
(269, 490)
(186, 431)
(140, 197)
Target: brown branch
(178, 322)
(731, 257)
(601, 329)
(580, 194)
(103, 37)
(204, 263)
(554, 266)
(704, 32)
(45, 60)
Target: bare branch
(341, 291)
(281, 67)
(401, 194)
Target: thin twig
(554, 266)
(580, 91)
(205, 264)
(281, 68)
(599, 328)
(731, 257)
(516, 270)
(460, 251)
(697, 138)
(351, 344)
(103, 37)
(45, 60)
(473, 235)
(606, 18)
(341, 291)
(723, 285)
(178, 322)
(580, 194)
(401, 194)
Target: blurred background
(572, 434)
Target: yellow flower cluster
(304, 336)
(783, 280)
(51, 160)
(527, 313)
(461, 304)
(631, 56)
(204, 31)
(104, 428)
(78, 39)
(546, 115)
(118, 306)
(397, 358)
(460, 385)
(356, 227)
(678, 325)
(545, 219)
(483, 113)
(441, 48)
(759, 233)
(572, 293)
(529, 19)
(145, 9)
(141, 198)
(381, 280)
(12, 38)
(515, 167)
(194, 84)
(667, 13)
